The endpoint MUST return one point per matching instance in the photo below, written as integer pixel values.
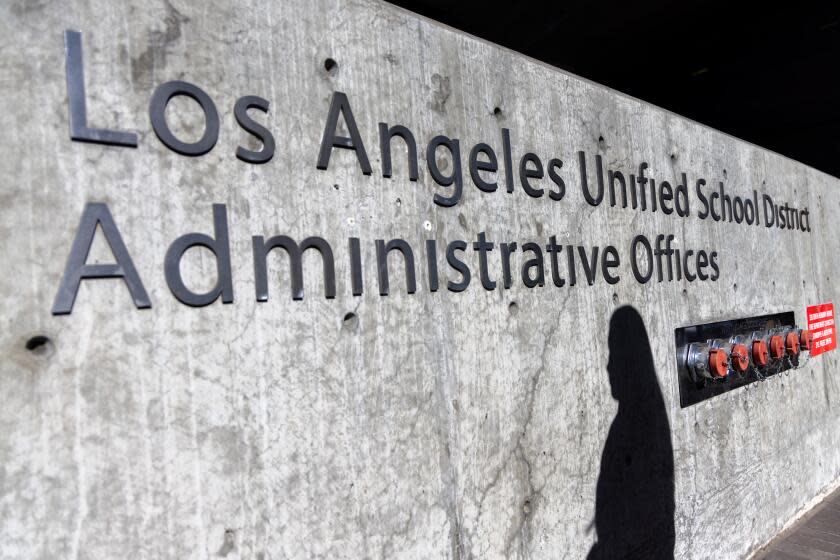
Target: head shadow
(634, 503)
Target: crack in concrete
(518, 450)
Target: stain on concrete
(441, 90)
(154, 56)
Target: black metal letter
(220, 248)
(385, 135)
(340, 104)
(240, 111)
(431, 256)
(382, 250)
(157, 113)
(457, 264)
(597, 198)
(295, 252)
(97, 213)
(643, 278)
(483, 246)
(476, 165)
(526, 173)
(356, 266)
(75, 71)
(453, 145)
(536, 264)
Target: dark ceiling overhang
(766, 75)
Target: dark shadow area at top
(634, 508)
(769, 81)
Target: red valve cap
(740, 358)
(777, 347)
(718, 362)
(792, 343)
(805, 340)
(760, 353)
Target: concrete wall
(430, 425)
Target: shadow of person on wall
(634, 507)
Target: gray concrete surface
(431, 425)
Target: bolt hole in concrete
(39, 345)
(600, 139)
(229, 543)
(513, 308)
(331, 66)
(350, 321)
(497, 111)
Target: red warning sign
(821, 325)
